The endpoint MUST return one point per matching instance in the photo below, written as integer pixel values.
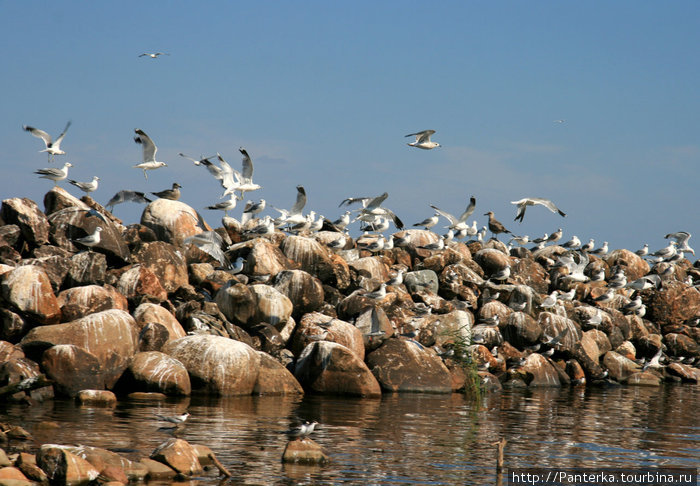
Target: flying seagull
(86, 187)
(531, 201)
(149, 153)
(172, 194)
(210, 242)
(153, 55)
(124, 196)
(461, 222)
(294, 216)
(423, 140)
(54, 174)
(242, 181)
(52, 148)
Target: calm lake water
(401, 439)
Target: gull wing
(352, 200)
(39, 134)
(547, 204)
(300, 202)
(469, 210)
(123, 196)
(423, 136)
(445, 214)
(149, 148)
(377, 201)
(63, 134)
(247, 170)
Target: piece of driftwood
(25, 385)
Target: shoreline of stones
(141, 312)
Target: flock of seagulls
(374, 217)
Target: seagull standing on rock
(90, 240)
(86, 187)
(172, 194)
(149, 153)
(56, 174)
(495, 226)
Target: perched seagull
(438, 245)
(501, 274)
(606, 297)
(252, 208)
(238, 265)
(209, 242)
(428, 223)
(520, 240)
(377, 294)
(633, 305)
(556, 236)
(54, 174)
(86, 187)
(646, 282)
(172, 194)
(224, 206)
(177, 419)
(149, 153)
(667, 251)
(588, 246)
(461, 222)
(124, 196)
(423, 140)
(342, 222)
(153, 55)
(302, 431)
(398, 279)
(567, 295)
(495, 226)
(602, 251)
(52, 148)
(90, 240)
(531, 201)
(573, 243)
(654, 361)
(549, 301)
(643, 251)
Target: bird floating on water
(52, 148)
(423, 140)
(176, 419)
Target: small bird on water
(176, 419)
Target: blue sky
(322, 93)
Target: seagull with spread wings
(149, 153)
(423, 140)
(294, 216)
(52, 148)
(372, 208)
(531, 201)
(460, 223)
(124, 196)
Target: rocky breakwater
(145, 311)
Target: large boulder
(165, 261)
(273, 306)
(33, 224)
(303, 290)
(138, 282)
(76, 222)
(81, 301)
(63, 467)
(72, 369)
(109, 335)
(672, 305)
(316, 326)
(172, 221)
(405, 366)
(179, 455)
(634, 266)
(28, 290)
(217, 365)
(275, 379)
(539, 372)
(153, 313)
(331, 368)
(154, 371)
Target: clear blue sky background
(322, 93)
